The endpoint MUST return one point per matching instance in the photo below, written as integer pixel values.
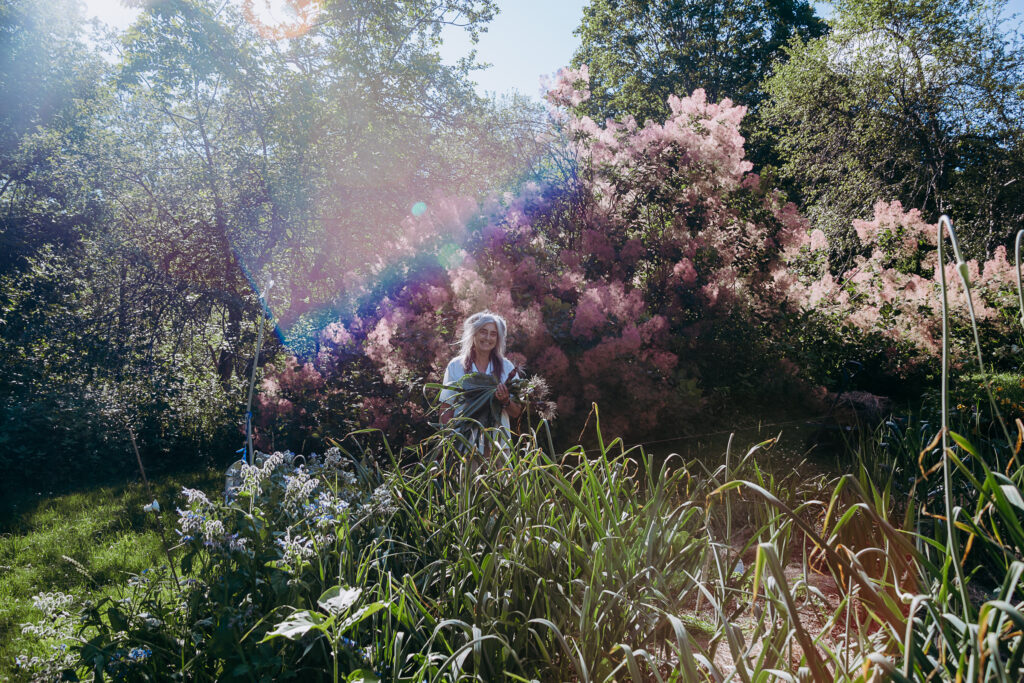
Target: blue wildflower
(139, 654)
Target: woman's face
(486, 338)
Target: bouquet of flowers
(476, 396)
(531, 393)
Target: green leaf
(338, 600)
(297, 625)
(361, 614)
(362, 676)
(116, 619)
(1013, 496)
(964, 444)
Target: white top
(455, 372)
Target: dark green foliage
(88, 352)
(920, 102)
(641, 51)
(47, 75)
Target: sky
(527, 40)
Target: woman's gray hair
(469, 330)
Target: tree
(920, 102)
(46, 72)
(300, 158)
(294, 159)
(641, 51)
(144, 194)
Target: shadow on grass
(82, 543)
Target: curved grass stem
(947, 474)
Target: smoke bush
(651, 274)
(891, 291)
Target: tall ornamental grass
(572, 566)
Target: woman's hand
(514, 410)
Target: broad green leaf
(338, 600)
(117, 620)
(297, 625)
(361, 614)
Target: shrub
(627, 279)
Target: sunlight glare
(113, 12)
(450, 255)
(277, 19)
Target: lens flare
(450, 255)
(419, 208)
(278, 19)
(406, 259)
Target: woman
(482, 350)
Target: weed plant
(560, 567)
(543, 567)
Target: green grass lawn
(81, 543)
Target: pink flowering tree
(650, 272)
(888, 297)
(287, 405)
(627, 276)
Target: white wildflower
(298, 488)
(213, 533)
(52, 604)
(333, 458)
(253, 476)
(190, 523)
(236, 543)
(274, 460)
(326, 511)
(195, 498)
(295, 550)
(382, 502)
(56, 630)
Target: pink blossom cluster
(893, 289)
(287, 392)
(610, 303)
(569, 88)
(600, 302)
(632, 280)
